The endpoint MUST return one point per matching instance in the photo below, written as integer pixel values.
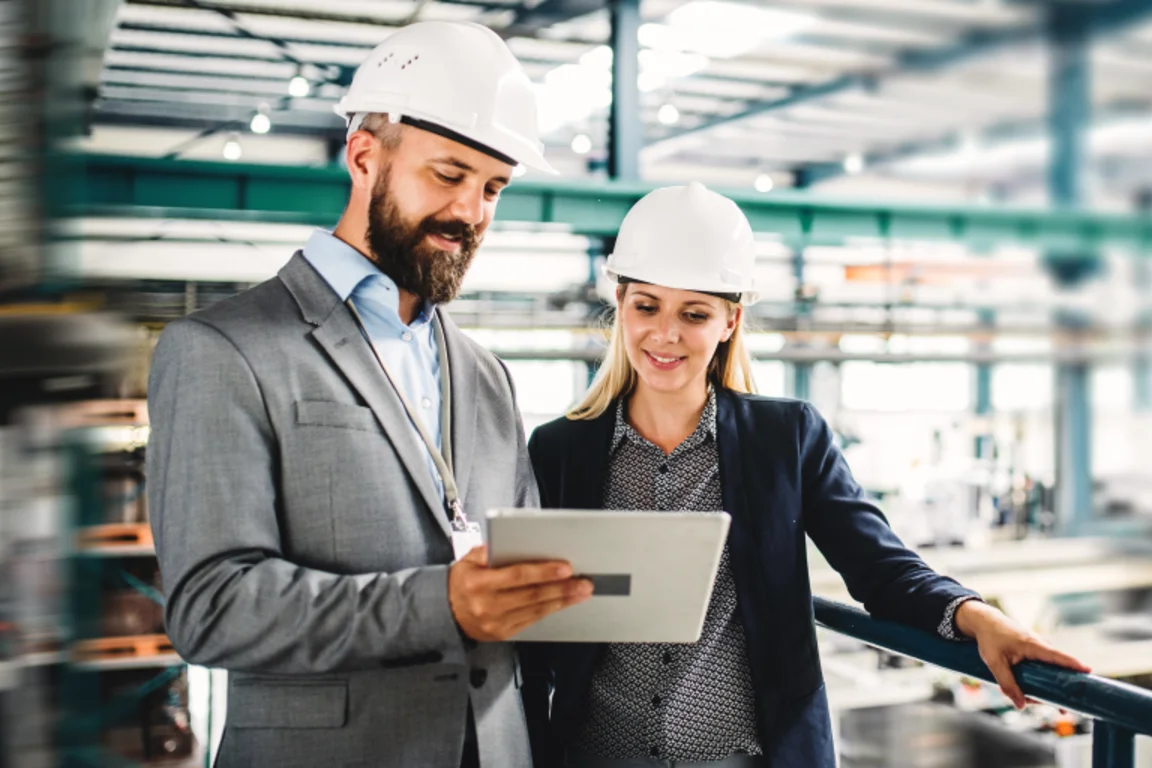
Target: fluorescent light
(724, 30)
(764, 183)
(668, 114)
(970, 144)
(298, 87)
(599, 57)
(661, 37)
(581, 144)
(232, 150)
(672, 64)
(650, 81)
(260, 123)
(571, 93)
(854, 163)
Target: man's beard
(403, 252)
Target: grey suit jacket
(303, 546)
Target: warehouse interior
(952, 202)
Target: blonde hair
(731, 368)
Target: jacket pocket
(322, 413)
(288, 704)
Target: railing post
(1113, 746)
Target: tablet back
(653, 571)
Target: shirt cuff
(948, 629)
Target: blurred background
(952, 200)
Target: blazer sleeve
(889, 579)
(233, 601)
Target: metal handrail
(1120, 711)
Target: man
(309, 436)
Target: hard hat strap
(448, 133)
(732, 297)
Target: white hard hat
(689, 238)
(457, 79)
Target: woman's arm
(852, 533)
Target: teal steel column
(982, 405)
(1142, 366)
(1070, 111)
(625, 127)
(800, 374)
(1113, 746)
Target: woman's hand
(1003, 642)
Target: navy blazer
(782, 476)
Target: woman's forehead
(672, 295)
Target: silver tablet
(652, 571)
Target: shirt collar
(706, 427)
(348, 272)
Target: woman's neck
(667, 418)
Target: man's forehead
(438, 149)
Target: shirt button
(655, 701)
(667, 657)
(406, 336)
(426, 403)
(654, 751)
(663, 469)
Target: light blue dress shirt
(410, 352)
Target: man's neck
(410, 304)
(667, 418)
(409, 307)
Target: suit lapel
(463, 375)
(339, 336)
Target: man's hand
(493, 604)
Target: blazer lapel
(339, 336)
(583, 480)
(462, 376)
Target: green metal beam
(134, 186)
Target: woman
(669, 423)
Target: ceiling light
(764, 183)
(232, 149)
(298, 87)
(668, 114)
(725, 29)
(581, 144)
(261, 123)
(854, 163)
(650, 81)
(599, 57)
(970, 144)
(672, 64)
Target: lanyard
(442, 460)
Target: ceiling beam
(1104, 17)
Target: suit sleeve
(889, 579)
(233, 600)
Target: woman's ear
(734, 318)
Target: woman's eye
(646, 309)
(697, 317)
(448, 179)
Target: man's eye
(449, 179)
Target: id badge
(465, 536)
